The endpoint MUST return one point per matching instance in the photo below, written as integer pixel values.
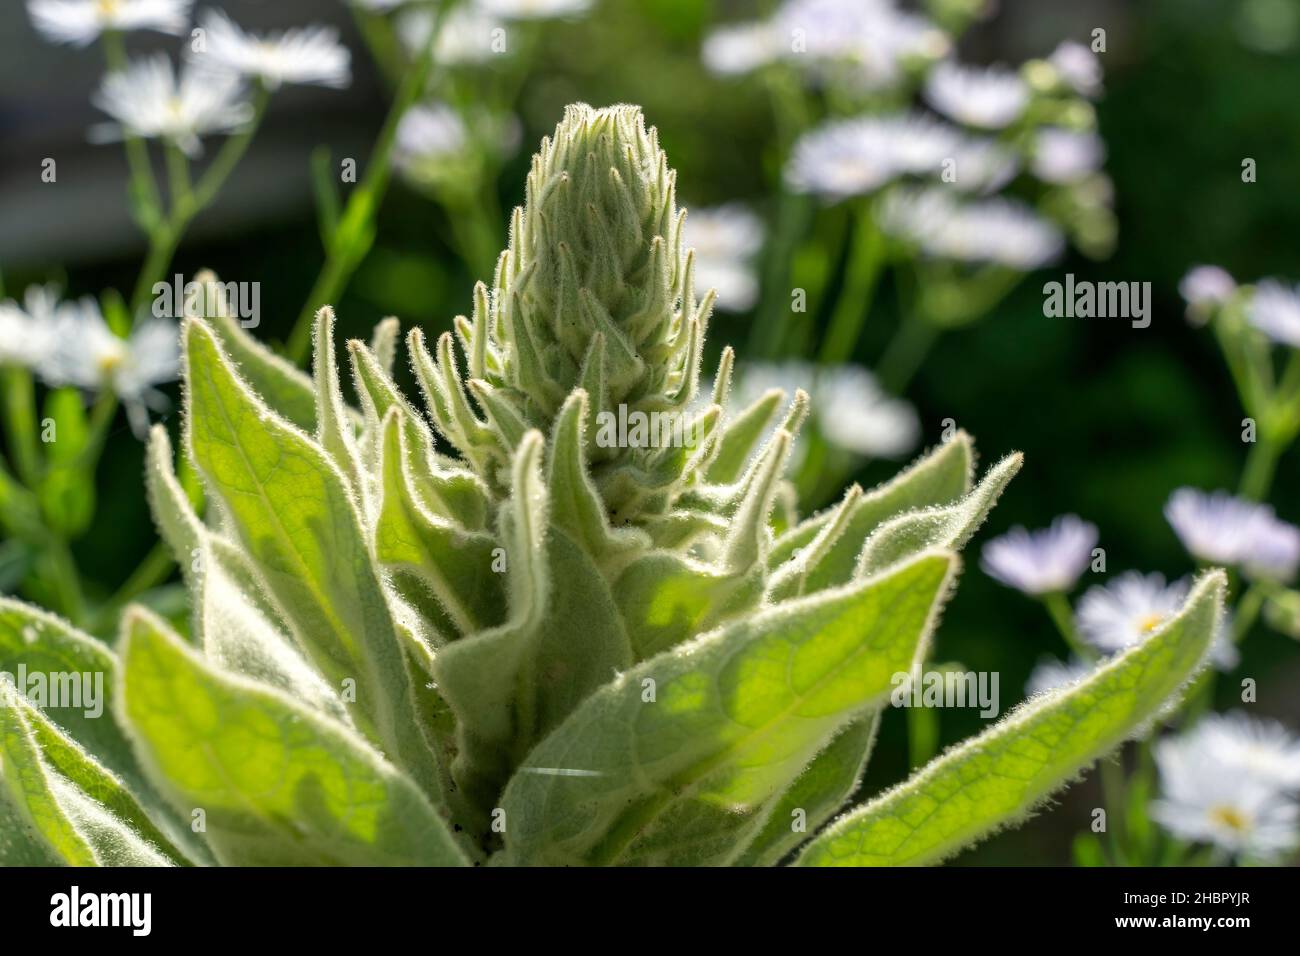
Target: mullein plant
(506, 639)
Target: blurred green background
(1111, 418)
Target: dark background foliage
(1111, 418)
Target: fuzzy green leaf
(735, 716)
(277, 783)
(563, 639)
(998, 777)
(300, 524)
(667, 599)
(939, 478)
(83, 812)
(949, 526)
(45, 645)
(816, 795)
(282, 386)
(454, 564)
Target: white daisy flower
(1079, 67)
(857, 156)
(1204, 288)
(740, 48)
(1208, 799)
(997, 230)
(1217, 527)
(29, 333)
(90, 356)
(148, 101)
(429, 131)
(1128, 608)
(753, 379)
(1275, 311)
(534, 9)
(867, 41)
(1045, 561)
(80, 22)
(1273, 548)
(1263, 748)
(852, 412)
(856, 414)
(983, 166)
(310, 55)
(725, 240)
(985, 97)
(1051, 674)
(468, 34)
(379, 6)
(1066, 156)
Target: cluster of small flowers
(1271, 306)
(870, 44)
(991, 133)
(1231, 781)
(436, 141)
(149, 98)
(68, 343)
(1111, 617)
(1221, 529)
(850, 409)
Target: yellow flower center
(1149, 623)
(111, 360)
(107, 9)
(1230, 817)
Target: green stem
(1112, 790)
(354, 235)
(1247, 612)
(1261, 464)
(1058, 607)
(178, 174)
(231, 152)
(162, 246)
(188, 203)
(906, 351)
(144, 187)
(860, 278)
(151, 572)
(922, 735)
(19, 400)
(475, 231)
(65, 579)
